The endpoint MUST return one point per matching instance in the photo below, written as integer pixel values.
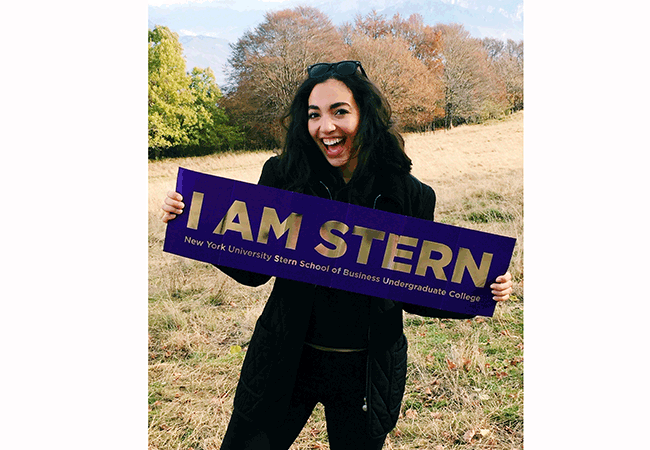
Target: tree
(373, 25)
(184, 113)
(494, 48)
(170, 98)
(507, 59)
(472, 90)
(424, 41)
(512, 70)
(403, 58)
(515, 83)
(211, 130)
(412, 90)
(269, 63)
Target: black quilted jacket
(271, 362)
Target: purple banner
(334, 244)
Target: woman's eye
(341, 112)
(312, 115)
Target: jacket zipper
(331, 198)
(374, 204)
(365, 406)
(327, 189)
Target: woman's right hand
(172, 206)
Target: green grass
(465, 376)
(489, 215)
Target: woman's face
(333, 122)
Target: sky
(244, 4)
(509, 8)
(487, 17)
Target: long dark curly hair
(378, 144)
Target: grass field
(465, 378)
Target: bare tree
(424, 41)
(472, 89)
(373, 25)
(404, 58)
(507, 59)
(514, 73)
(426, 72)
(269, 63)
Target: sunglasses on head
(343, 68)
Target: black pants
(337, 380)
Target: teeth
(332, 141)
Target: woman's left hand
(502, 288)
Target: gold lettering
(466, 261)
(367, 236)
(436, 264)
(195, 210)
(243, 225)
(393, 252)
(339, 243)
(270, 220)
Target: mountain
(206, 29)
(206, 51)
(207, 19)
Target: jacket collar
(383, 191)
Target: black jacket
(271, 362)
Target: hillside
(465, 378)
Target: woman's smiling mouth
(334, 146)
(330, 142)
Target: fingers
(504, 278)
(167, 217)
(172, 206)
(502, 288)
(174, 200)
(175, 196)
(502, 295)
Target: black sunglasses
(343, 68)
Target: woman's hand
(502, 288)
(173, 206)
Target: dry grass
(465, 384)
(477, 173)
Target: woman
(314, 344)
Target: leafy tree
(185, 117)
(170, 98)
(211, 130)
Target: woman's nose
(327, 125)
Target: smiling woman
(315, 344)
(333, 123)
(341, 119)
